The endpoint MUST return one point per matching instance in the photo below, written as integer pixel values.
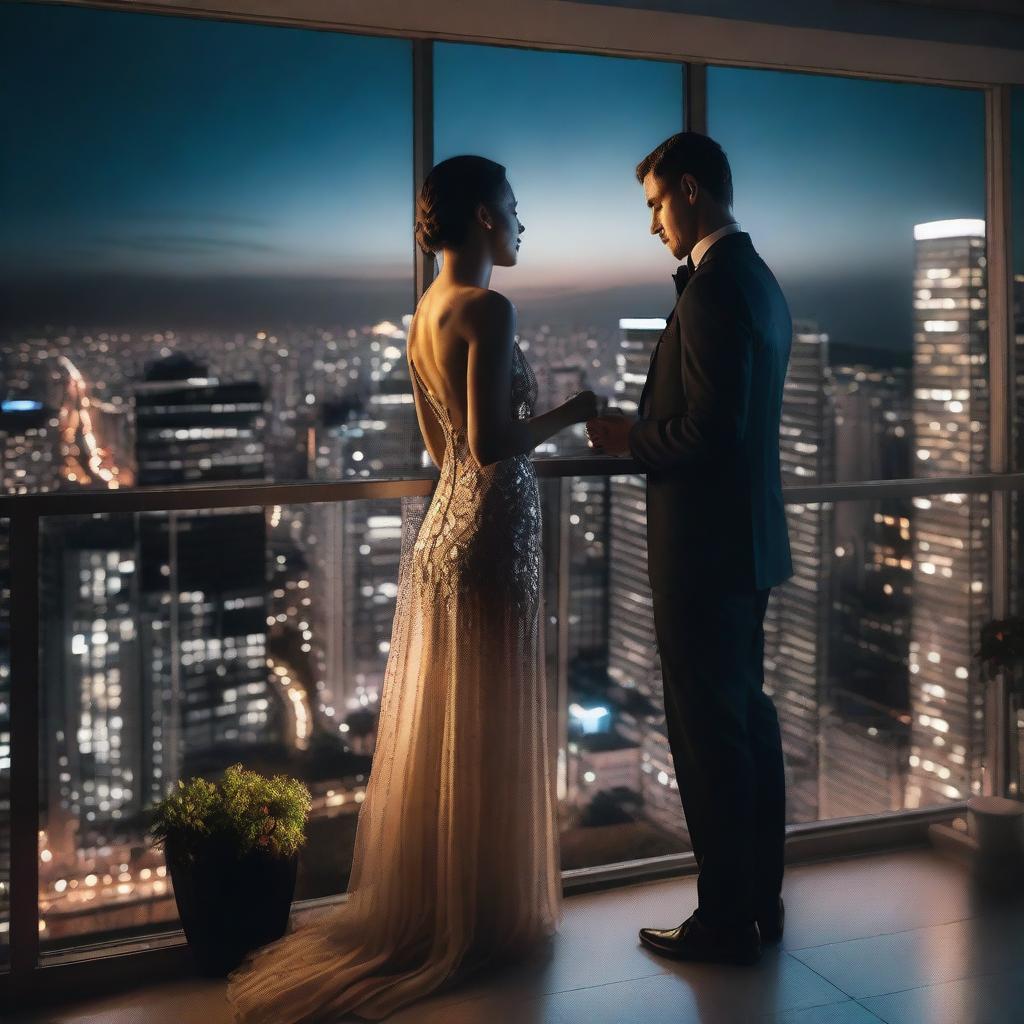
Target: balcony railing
(844, 826)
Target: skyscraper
(29, 446)
(29, 461)
(796, 621)
(355, 572)
(588, 561)
(952, 562)
(865, 710)
(203, 577)
(633, 662)
(94, 735)
(192, 428)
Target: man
(707, 434)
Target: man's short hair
(690, 153)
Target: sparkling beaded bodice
(481, 534)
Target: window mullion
(1000, 335)
(422, 144)
(695, 97)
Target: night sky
(161, 151)
(158, 167)
(570, 129)
(832, 174)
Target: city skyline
(178, 641)
(288, 662)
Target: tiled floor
(895, 937)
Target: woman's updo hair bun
(450, 195)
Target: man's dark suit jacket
(708, 428)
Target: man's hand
(610, 434)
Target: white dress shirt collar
(698, 251)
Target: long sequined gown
(455, 863)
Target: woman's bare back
(462, 347)
(439, 348)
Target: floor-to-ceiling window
(867, 199)
(206, 258)
(206, 251)
(591, 290)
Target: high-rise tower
(865, 711)
(203, 576)
(795, 625)
(633, 661)
(952, 562)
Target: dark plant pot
(229, 906)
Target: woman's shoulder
(484, 311)
(455, 319)
(481, 300)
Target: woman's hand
(583, 406)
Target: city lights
(192, 637)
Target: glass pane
(867, 200)
(249, 221)
(570, 129)
(905, 585)
(868, 648)
(869, 659)
(617, 784)
(176, 644)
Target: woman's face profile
(505, 229)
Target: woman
(456, 851)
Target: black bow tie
(683, 275)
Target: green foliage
(243, 812)
(1002, 647)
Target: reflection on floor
(895, 937)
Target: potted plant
(232, 850)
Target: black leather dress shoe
(770, 925)
(693, 940)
